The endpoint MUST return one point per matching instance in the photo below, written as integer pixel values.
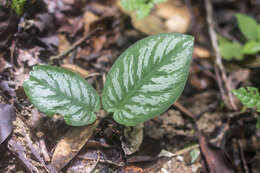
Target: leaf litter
(40, 35)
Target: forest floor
(205, 130)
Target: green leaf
(148, 77)
(142, 7)
(248, 96)
(251, 48)
(56, 90)
(247, 26)
(258, 32)
(229, 50)
(18, 6)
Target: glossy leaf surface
(147, 78)
(56, 90)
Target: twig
(243, 156)
(185, 111)
(225, 88)
(75, 45)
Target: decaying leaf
(134, 139)
(71, 144)
(169, 16)
(6, 117)
(77, 69)
(214, 158)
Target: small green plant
(19, 5)
(250, 98)
(142, 7)
(251, 31)
(144, 82)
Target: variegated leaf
(148, 77)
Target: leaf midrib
(73, 99)
(137, 87)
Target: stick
(75, 45)
(225, 90)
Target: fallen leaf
(6, 116)
(109, 155)
(177, 17)
(89, 18)
(77, 69)
(85, 166)
(133, 169)
(133, 139)
(201, 52)
(71, 144)
(214, 157)
(63, 43)
(148, 152)
(169, 16)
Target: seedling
(19, 5)
(141, 7)
(250, 98)
(143, 82)
(251, 31)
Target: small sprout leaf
(247, 26)
(147, 78)
(55, 90)
(251, 48)
(248, 96)
(229, 50)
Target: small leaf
(141, 7)
(57, 90)
(229, 50)
(248, 96)
(247, 26)
(18, 6)
(147, 78)
(251, 48)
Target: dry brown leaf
(63, 43)
(169, 16)
(201, 52)
(77, 69)
(89, 18)
(134, 139)
(99, 42)
(155, 24)
(71, 144)
(177, 17)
